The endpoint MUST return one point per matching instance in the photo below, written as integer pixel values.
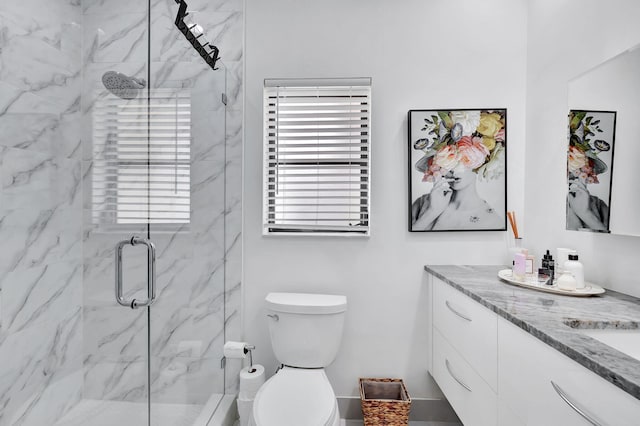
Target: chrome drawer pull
(464, 317)
(571, 404)
(460, 382)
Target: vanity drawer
(528, 367)
(469, 395)
(469, 327)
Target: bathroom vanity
(510, 356)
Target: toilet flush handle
(274, 316)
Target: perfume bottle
(549, 265)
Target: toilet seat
(295, 397)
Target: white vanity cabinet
(494, 373)
(471, 329)
(470, 396)
(527, 371)
(465, 354)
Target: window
(316, 159)
(141, 151)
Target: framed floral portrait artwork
(589, 169)
(457, 170)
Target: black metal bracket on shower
(211, 56)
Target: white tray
(590, 289)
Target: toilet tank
(305, 328)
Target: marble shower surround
(59, 327)
(40, 211)
(546, 317)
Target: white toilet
(306, 330)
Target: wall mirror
(611, 87)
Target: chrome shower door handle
(151, 273)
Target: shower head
(121, 85)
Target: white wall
(420, 54)
(566, 38)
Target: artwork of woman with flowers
(591, 136)
(457, 174)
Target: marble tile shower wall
(62, 338)
(40, 211)
(197, 266)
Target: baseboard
(425, 410)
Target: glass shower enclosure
(114, 211)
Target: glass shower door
(157, 170)
(119, 266)
(189, 131)
(116, 350)
(114, 103)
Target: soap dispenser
(574, 266)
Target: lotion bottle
(574, 266)
(519, 266)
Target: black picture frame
(590, 155)
(444, 147)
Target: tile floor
(360, 423)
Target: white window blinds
(317, 145)
(141, 150)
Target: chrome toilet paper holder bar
(248, 349)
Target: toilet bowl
(305, 331)
(296, 397)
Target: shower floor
(90, 412)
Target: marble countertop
(556, 319)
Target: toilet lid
(306, 303)
(295, 397)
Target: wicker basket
(385, 402)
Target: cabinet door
(469, 395)
(528, 368)
(469, 327)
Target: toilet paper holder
(247, 350)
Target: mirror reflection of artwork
(457, 170)
(589, 166)
(613, 85)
